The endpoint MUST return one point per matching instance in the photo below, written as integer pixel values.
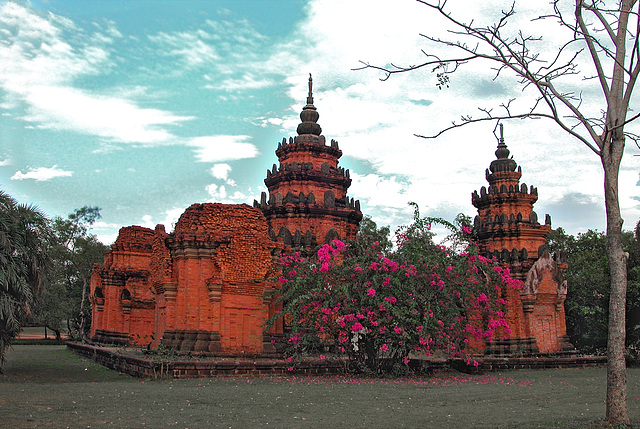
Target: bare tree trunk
(617, 413)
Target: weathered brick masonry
(200, 288)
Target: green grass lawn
(50, 387)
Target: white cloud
(108, 238)
(41, 174)
(223, 148)
(219, 195)
(169, 221)
(5, 162)
(116, 119)
(41, 61)
(221, 171)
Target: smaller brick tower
(308, 203)
(507, 228)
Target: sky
(144, 108)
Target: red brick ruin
(201, 287)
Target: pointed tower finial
(502, 161)
(502, 152)
(310, 96)
(309, 115)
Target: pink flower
(322, 357)
(384, 347)
(324, 267)
(357, 327)
(466, 230)
(339, 244)
(371, 292)
(391, 299)
(397, 330)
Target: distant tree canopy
(588, 280)
(45, 266)
(72, 253)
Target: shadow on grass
(49, 386)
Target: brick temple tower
(307, 202)
(507, 228)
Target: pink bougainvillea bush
(381, 307)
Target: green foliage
(369, 233)
(73, 251)
(24, 233)
(588, 280)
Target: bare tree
(602, 35)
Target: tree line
(588, 278)
(45, 269)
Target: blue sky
(143, 108)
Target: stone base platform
(113, 358)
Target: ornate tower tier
(307, 202)
(507, 228)
(506, 225)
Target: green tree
(368, 234)
(588, 279)
(73, 253)
(24, 232)
(604, 35)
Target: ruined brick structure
(201, 287)
(507, 228)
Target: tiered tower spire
(507, 228)
(307, 203)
